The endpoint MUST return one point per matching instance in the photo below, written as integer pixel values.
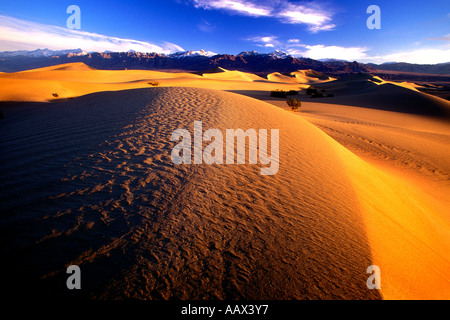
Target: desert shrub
(314, 93)
(282, 93)
(311, 91)
(317, 95)
(294, 104)
(55, 95)
(154, 84)
(278, 94)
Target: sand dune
(364, 90)
(363, 180)
(74, 80)
(310, 76)
(232, 76)
(74, 66)
(278, 77)
(300, 76)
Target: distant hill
(442, 68)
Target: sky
(410, 31)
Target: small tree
(294, 104)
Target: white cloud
(329, 52)
(205, 26)
(315, 17)
(20, 34)
(265, 41)
(326, 27)
(238, 6)
(429, 55)
(419, 56)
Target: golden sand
(356, 186)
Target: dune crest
(208, 231)
(74, 66)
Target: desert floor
(88, 180)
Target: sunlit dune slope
(278, 77)
(232, 75)
(74, 66)
(300, 76)
(140, 226)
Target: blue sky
(411, 31)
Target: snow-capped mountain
(249, 53)
(275, 54)
(332, 60)
(279, 54)
(42, 53)
(199, 53)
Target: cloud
(25, 35)
(205, 26)
(265, 41)
(237, 6)
(326, 27)
(329, 52)
(430, 55)
(316, 18)
(419, 56)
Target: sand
(77, 79)
(89, 181)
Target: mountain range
(195, 61)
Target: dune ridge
(113, 198)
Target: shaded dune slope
(364, 90)
(100, 191)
